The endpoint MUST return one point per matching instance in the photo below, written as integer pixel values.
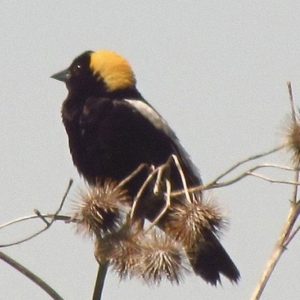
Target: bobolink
(112, 130)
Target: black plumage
(112, 130)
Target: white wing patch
(152, 115)
(160, 123)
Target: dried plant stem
(184, 184)
(292, 235)
(141, 191)
(250, 158)
(278, 250)
(37, 280)
(132, 175)
(99, 284)
(40, 216)
(271, 180)
(292, 102)
(286, 235)
(35, 216)
(52, 217)
(249, 172)
(216, 184)
(164, 209)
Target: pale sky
(217, 72)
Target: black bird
(112, 129)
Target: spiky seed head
(161, 258)
(99, 211)
(187, 222)
(121, 250)
(293, 140)
(150, 257)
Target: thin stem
(213, 184)
(141, 191)
(64, 197)
(37, 280)
(164, 209)
(278, 250)
(292, 235)
(295, 192)
(132, 175)
(40, 216)
(23, 219)
(294, 183)
(216, 184)
(99, 284)
(292, 101)
(286, 236)
(250, 158)
(184, 184)
(35, 216)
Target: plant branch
(37, 280)
(278, 250)
(99, 284)
(215, 184)
(54, 217)
(286, 235)
(265, 178)
(250, 158)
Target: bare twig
(274, 166)
(292, 235)
(132, 175)
(286, 235)
(64, 197)
(292, 102)
(32, 217)
(250, 158)
(184, 184)
(141, 191)
(164, 209)
(37, 280)
(295, 120)
(99, 284)
(214, 184)
(42, 217)
(278, 250)
(35, 216)
(271, 180)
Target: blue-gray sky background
(216, 70)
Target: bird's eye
(76, 69)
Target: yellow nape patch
(113, 69)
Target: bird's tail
(193, 223)
(207, 256)
(209, 259)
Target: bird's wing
(148, 112)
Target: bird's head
(98, 73)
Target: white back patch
(160, 123)
(153, 116)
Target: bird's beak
(62, 75)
